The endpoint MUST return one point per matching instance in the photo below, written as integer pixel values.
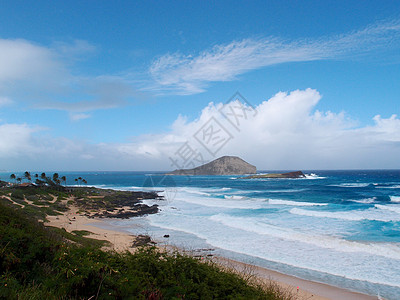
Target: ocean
(337, 227)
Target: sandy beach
(122, 241)
(72, 220)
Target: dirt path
(12, 201)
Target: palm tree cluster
(43, 179)
(80, 180)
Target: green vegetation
(38, 262)
(36, 201)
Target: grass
(81, 232)
(41, 199)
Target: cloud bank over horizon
(286, 132)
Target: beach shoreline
(121, 241)
(302, 288)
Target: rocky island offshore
(226, 165)
(233, 165)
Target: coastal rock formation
(3, 183)
(226, 165)
(296, 174)
(141, 240)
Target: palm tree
(39, 182)
(55, 177)
(13, 177)
(43, 179)
(84, 181)
(19, 180)
(27, 175)
(76, 180)
(64, 179)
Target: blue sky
(122, 85)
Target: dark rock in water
(166, 235)
(226, 165)
(296, 174)
(141, 240)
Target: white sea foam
(230, 203)
(395, 199)
(390, 187)
(312, 242)
(351, 185)
(324, 241)
(313, 176)
(284, 191)
(371, 214)
(233, 197)
(294, 203)
(195, 191)
(333, 255)
(365, 200)
(223, 189)
(394, 208)
(119, 188)
(99, 186)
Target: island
(226, 165)
(296, 174)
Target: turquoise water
(337, 227)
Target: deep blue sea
(337, 227)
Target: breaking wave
(294, 203)
(372, 214)
(395, 199)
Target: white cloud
(20, 59)
(288, 132)
(42, 78)
(79, 116)
(191, 74)
(74, 50)
(15, 140)
(4, 101)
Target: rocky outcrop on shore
(105, 203)
(136, 210)
(226, 165)
(296, 174)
